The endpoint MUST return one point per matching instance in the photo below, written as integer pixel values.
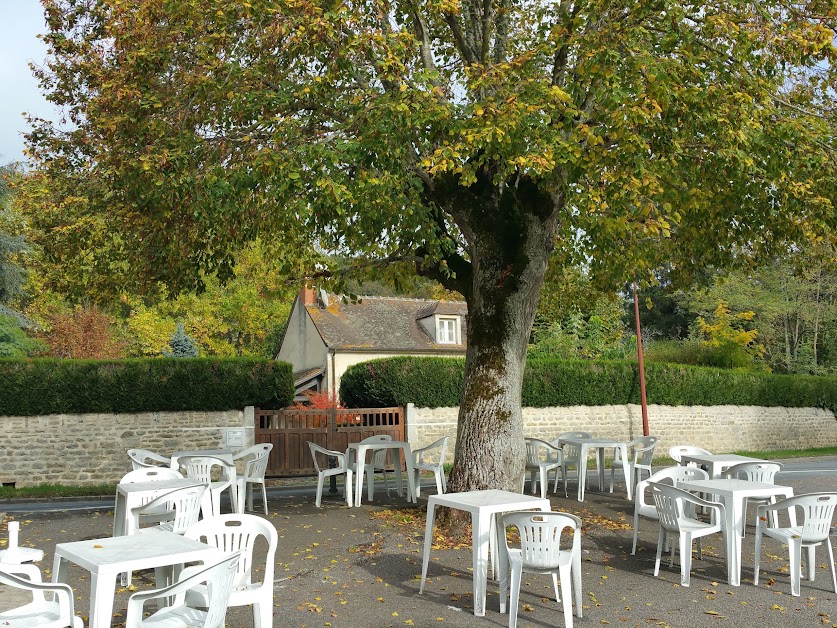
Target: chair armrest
(704, 503)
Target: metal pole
(643, 400)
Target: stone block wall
(719, 429)
(86, 449)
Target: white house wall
(302, 345)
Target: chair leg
(263, 615)
(636, 532)
(685, 559)
(320, 479)
(440, 488)
(568, 598)
(757, 565)
(264, 498)
(514, 584)
(348, 487)
(795, 551)
(661, 539)
(831, 562)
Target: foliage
(12, 243)
(433, 383)
(473, 140)
(48, 386)
(14, 342)
(181, 345)
(687, 351)
(318, 400)
(82, 333)
(726, 342)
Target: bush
(49, 386)
(436, 382)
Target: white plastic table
(733, 493)
(600, 445)
(483, 506)
(108, 557)
(405, 453)
(131, 495)
(716, 464)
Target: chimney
(308, 295)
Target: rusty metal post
(641, 361)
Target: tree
(181, 345)
(12, 243)
(82, 333)
(474, 139)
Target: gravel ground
(360, 567)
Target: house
(326, 334)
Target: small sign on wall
(235, 438)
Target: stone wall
(85, 449)
(719, 429)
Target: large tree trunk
(510, 238)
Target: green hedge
(49, 386)
(436, 382)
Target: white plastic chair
(56, 613)
(642, 449)
(378, 463)
(541, 458)
(153, 474)
(239, 533)
(143, 458)
(541, 552)
(674, 508)
(432, 459)
(217, 580)
(200, 468)
(677, 452)
(324, 471)
(817, 513)
(255, 466)
(571, 456)
(186, 503)
(643, 508)
(764, 472)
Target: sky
(21, 21)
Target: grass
(59, 490)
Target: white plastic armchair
(378, 463)
(817, 513)
(255, 466)
(237, 532)
(432, 459)
(215, 474)
(56, 613)
(674, 510)
(541, 458)
(143, 458)
(186, 503)
(541, 552)
(571, 456)
(764, 472)
(341, 467)
(153, 474)
(218, 581)
(677, 452)
(642, 454)
(647, 508)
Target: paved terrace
(360, 567)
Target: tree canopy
(476, 140)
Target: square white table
(733, 493)
(483, 506)
(108, 557)
(716, 464)
(600, 445)
(405, 454)
(131, 495)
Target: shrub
(49, 386)
(436, 382)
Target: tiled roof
(383, 324)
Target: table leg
(411, 474)
(600, 463)
(428, 541)
(582, 471)
(399, 480)
(361, 465)
(102, 588)
(735, 519)
(119, 515)
(629, 477)
(481, 531)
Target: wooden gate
(289, 431)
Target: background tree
(475, 139)
(182, 345)
(82, 333)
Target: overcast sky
(21, 21)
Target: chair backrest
(328, 453)
(764, 472)
(256, 467)
(23, 576)
(643, 448)
(239, 533)
(186, 503)
(538, 451)
(669, 475)
(572, 435)
(677, 452)
(150, 474)
(540, 536)
(143, 458)
(379, 459)
(817, 512)
(670, 503)
(200, 467)
(434, 453)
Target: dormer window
(447, 330)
